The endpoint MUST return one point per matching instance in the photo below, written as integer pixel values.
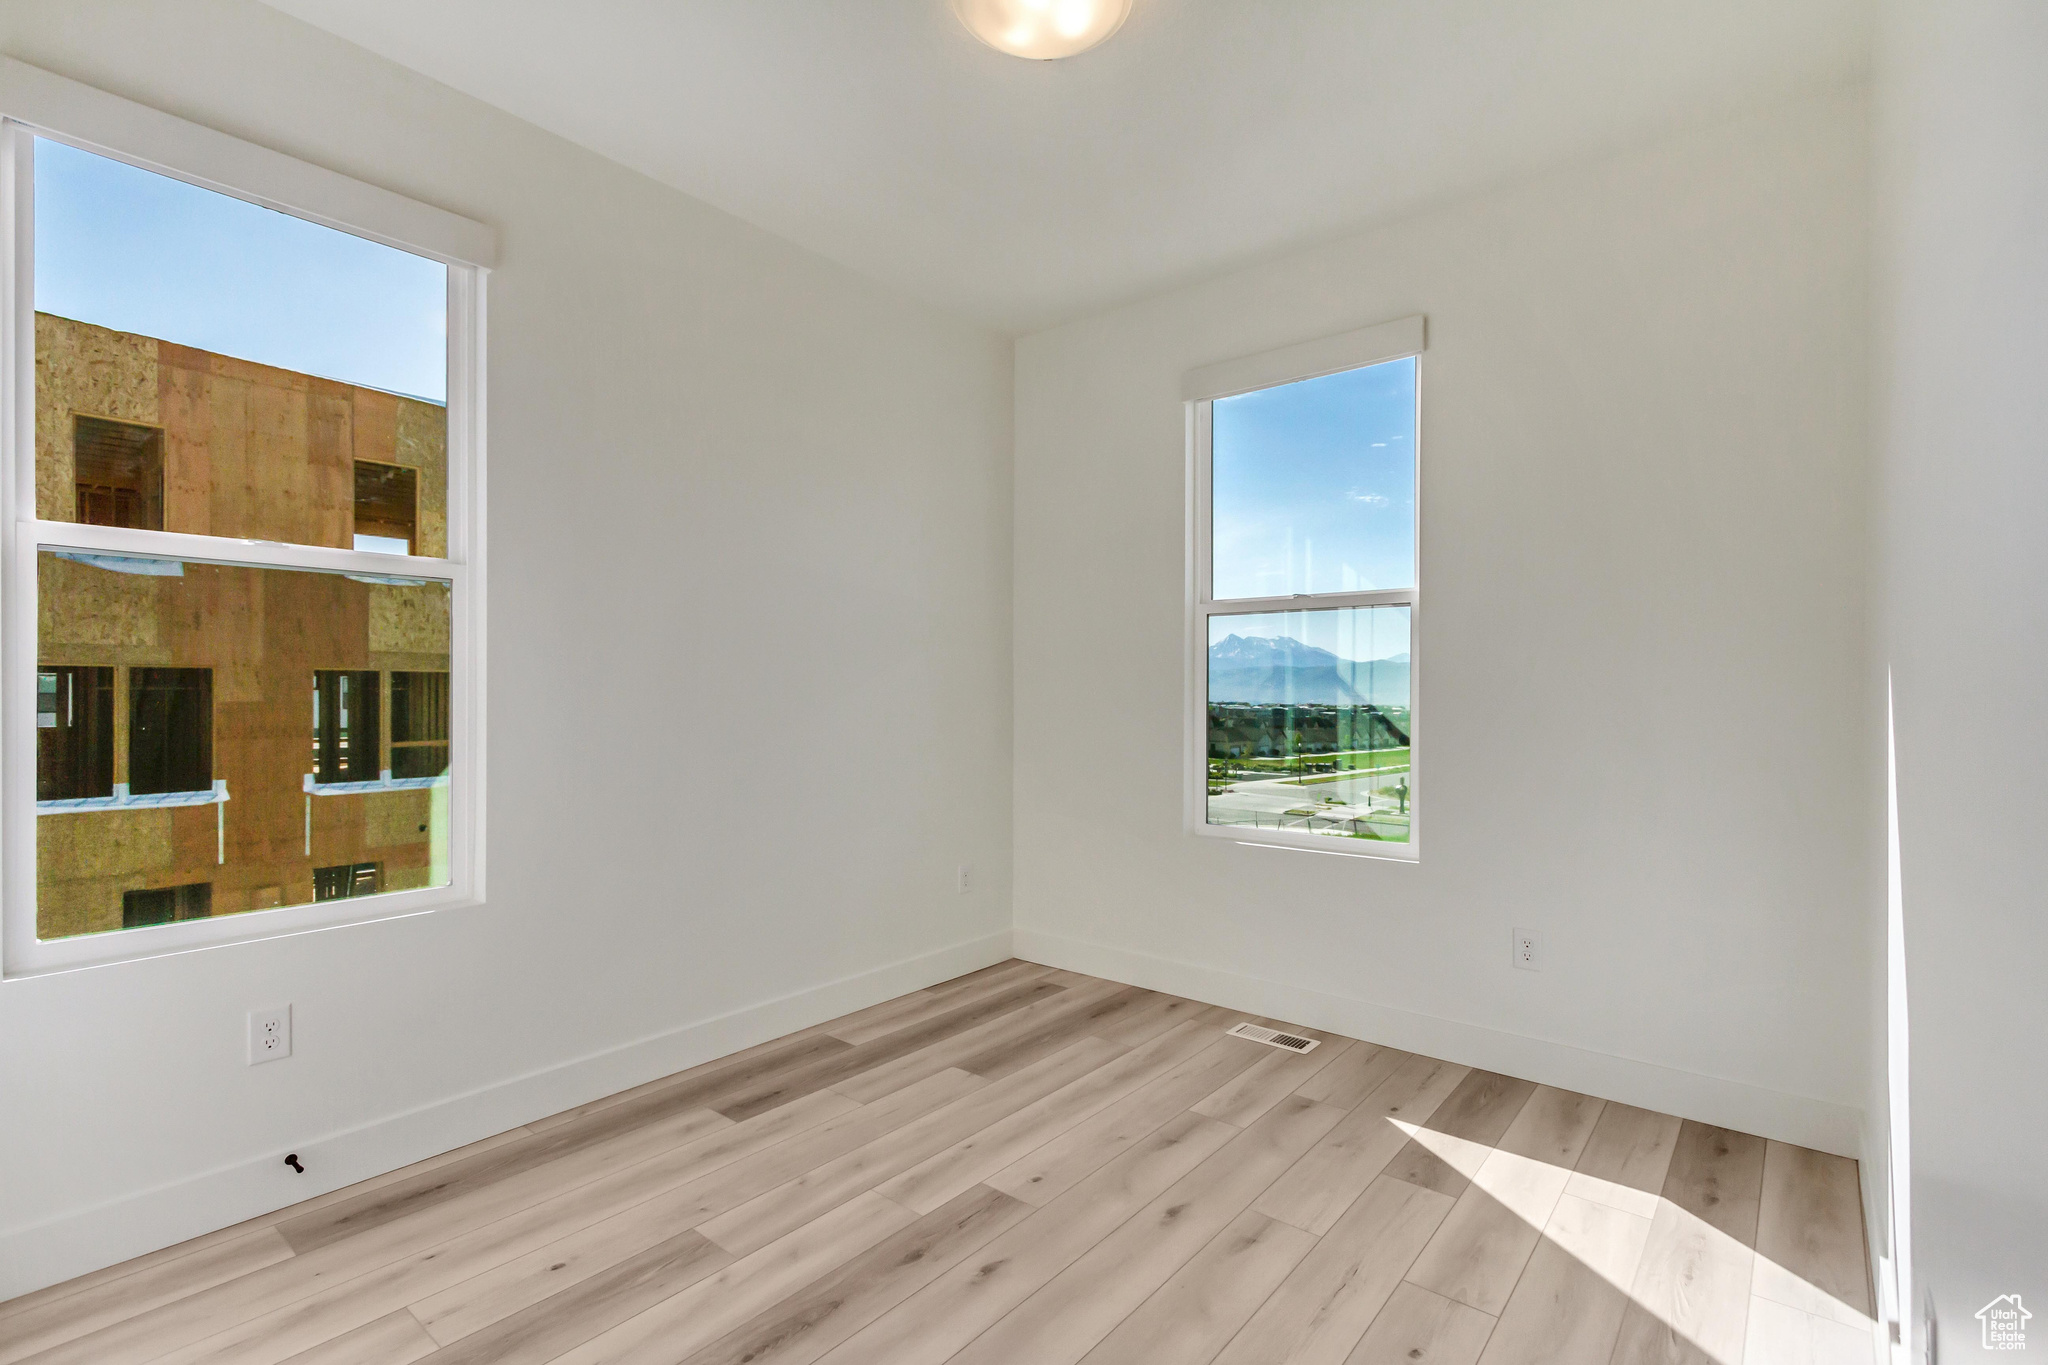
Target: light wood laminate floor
(1030, 1167)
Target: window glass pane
(213, 738)
(419, 724)
(347, 879)
(170, 730)
(119, 468)
(346, 732)
(165, 904)
(1312, 485)
(74, 733)
(1309, 722)
(208, 366)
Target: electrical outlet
(1525, 953)
(270, 1034)
(963, 879)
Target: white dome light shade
(1042, 29)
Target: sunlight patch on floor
(1719, 1297)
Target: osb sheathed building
(213, 738)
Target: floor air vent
(1274, 1038)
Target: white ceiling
(1206, 134)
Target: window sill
(385, 783)
(41, 957)
(1300, 841)
(123, 800)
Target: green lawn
(1355, 760)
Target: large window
(1304, 595)
(244, 603)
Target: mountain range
(1266, 671)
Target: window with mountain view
(1308, 607)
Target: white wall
(749, 681)
(1644, 704)
(1962, 293)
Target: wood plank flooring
(1029, 1167)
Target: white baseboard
(1820, 1124)
(84, 1240)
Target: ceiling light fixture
(1042, 29)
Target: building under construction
(215, 738)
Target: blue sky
(1347, 632)
(140, 252)
(1313, 485)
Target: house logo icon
(2005, 1323)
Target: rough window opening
(118, 468)
(166, 904)
(419, 724)
(348, 879)
(170, 730)
(74, 732)
(387, 508)
(346, 728)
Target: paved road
(1264, 802)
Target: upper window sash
(1401, 339)
(463, 305)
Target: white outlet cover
(963, 879)
(1533, 961)
(270, 1034)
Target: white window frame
(34, 103)
(1401, 339)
